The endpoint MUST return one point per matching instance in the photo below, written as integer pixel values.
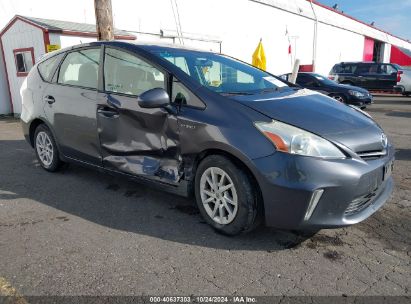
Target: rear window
(46, 67)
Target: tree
(104, 19)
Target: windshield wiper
(270, 90)
(237, 93)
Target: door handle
(49, 99)
(108, 112)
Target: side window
(304, 80)
(387, 69)
(46, 67)
(365, 69)
(127, 74)
(344, 68)
(24, 60)
(80, 68)
(183, 96)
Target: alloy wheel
(218, 195)
(44, 148)
(339, 98)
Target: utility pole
(104, 19)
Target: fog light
(315, 197)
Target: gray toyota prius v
(248, 146)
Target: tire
(242, 199)
(339, 98)
(46, 149)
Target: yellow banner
(52, 47)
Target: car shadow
(399, 114)
(401, 100)
(403, 154)
(122, 204)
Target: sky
(390, 15)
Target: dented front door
(135, 140)
(138, 141)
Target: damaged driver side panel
(139, 141)
(135, 140)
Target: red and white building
(316, 34)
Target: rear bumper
(288, 182)
(26, 131)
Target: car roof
(357, 62)
(145, 46)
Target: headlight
(356, 94)
(293, 140)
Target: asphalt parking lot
(79, 232)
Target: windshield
(323, 80)
(220, 73)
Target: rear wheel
(46, 149)
(225, 195)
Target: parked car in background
(367, 75)
(405, 81)
(344, 93)
(246, 145)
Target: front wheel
(225, 195)
(339, 98)
(46, 149)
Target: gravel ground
(79, 232)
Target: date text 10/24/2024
(203, 299)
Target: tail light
(331, 77)
(399, 75)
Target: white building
(317, 35)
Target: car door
(387, 77)
(136, 140)
(70, 105)
(367, 75)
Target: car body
(368, 75)
(404, 82)
(344, 93)
(195, 122)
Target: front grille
(360, 203)
(369, 155)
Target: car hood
(320, 115)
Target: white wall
(4, 90)
(333, 47)
(20, 35)
(65, 41)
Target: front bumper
(360, 101)
(288, 182)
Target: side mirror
(154, 98)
